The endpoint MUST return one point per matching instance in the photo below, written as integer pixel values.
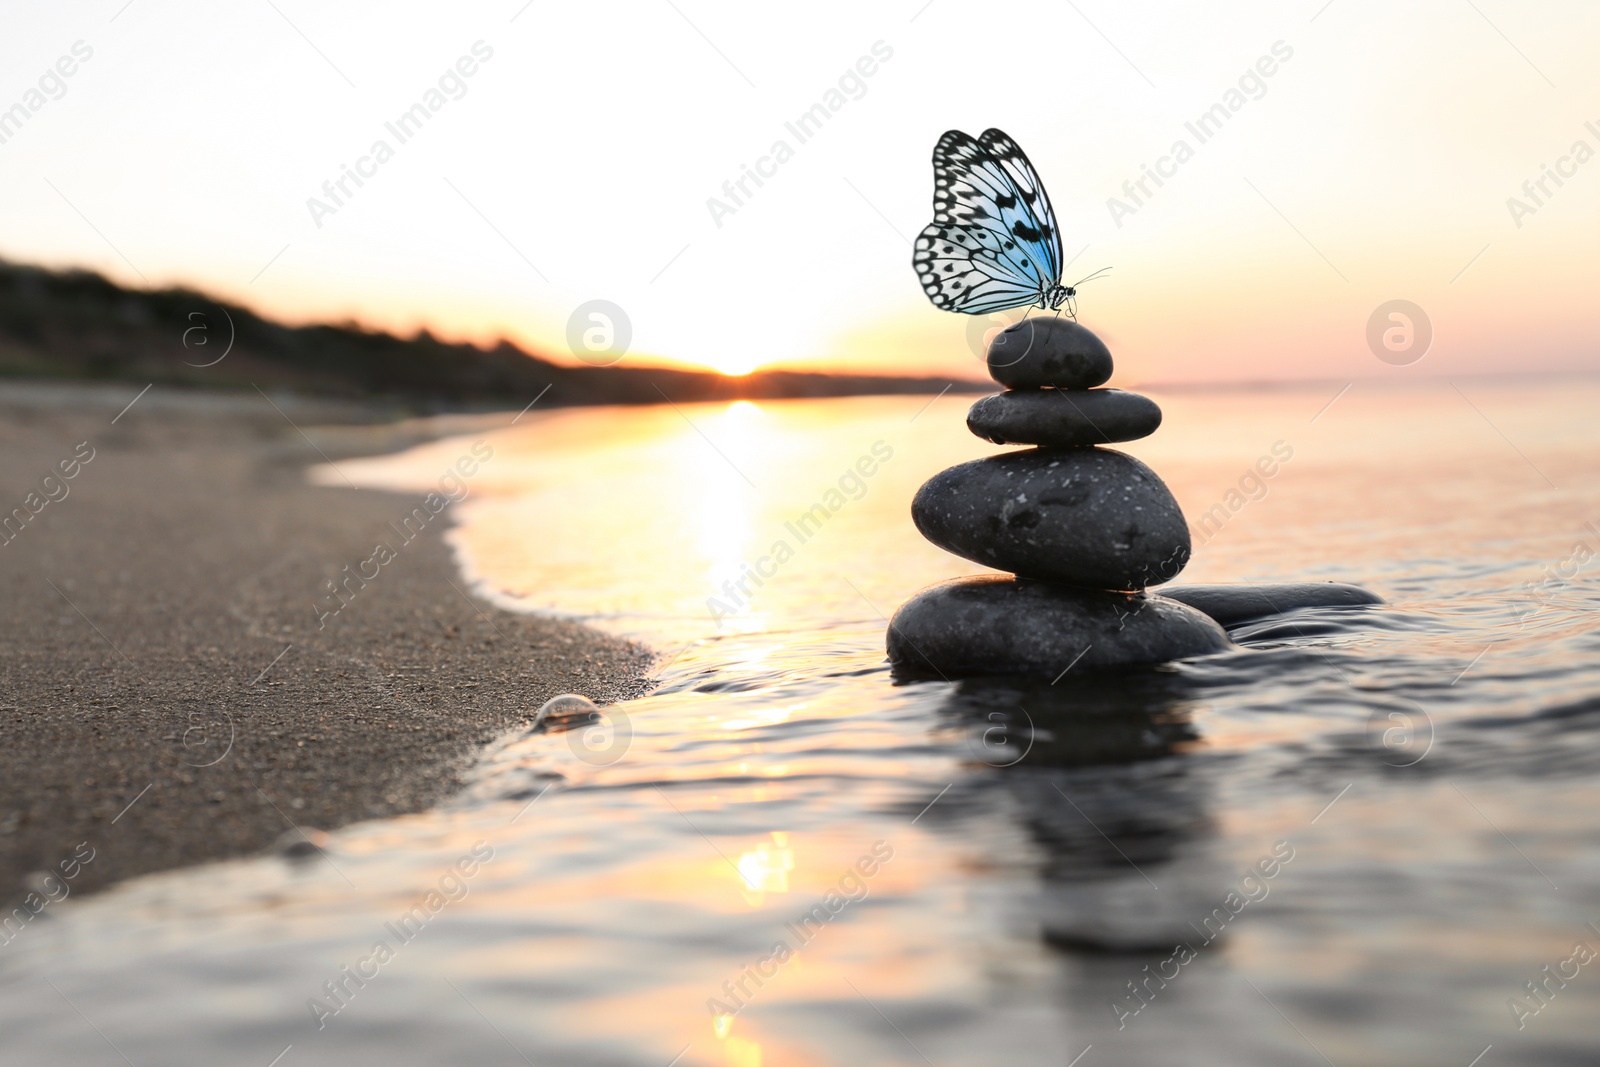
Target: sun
(733, 353)
(734, 365)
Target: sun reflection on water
(742, 1052)
(765, 869)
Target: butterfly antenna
(1091, 277)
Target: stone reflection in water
(1078, 721)
(1096, 769)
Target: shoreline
(169, 698)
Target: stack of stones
(1083, 529)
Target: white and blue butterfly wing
(1038, 213)
(988, 247)
(972, 269)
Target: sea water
(1363, 836)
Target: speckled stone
(1231, 604)
(1045, 351)
(1088, 517)
(990, 624)
(1063, 418)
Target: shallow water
(1415, 780)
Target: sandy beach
(172, 695)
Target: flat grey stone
(1048, 351)
(1088, 517)
(992, 624)
(1230, 604)
(1063, 418)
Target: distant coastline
(78, 325)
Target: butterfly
(993, 242)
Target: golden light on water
(742, 1052)
(767, 716)
(766, 868)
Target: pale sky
(577, 159)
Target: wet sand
(170, 693)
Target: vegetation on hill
(79, 325)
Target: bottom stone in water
(994, 624)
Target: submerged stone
(1063, 418)
(1089, 517)
(1048, 351)
(1231, 604)
(992, 624)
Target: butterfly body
(993, 243)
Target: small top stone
(1048, 351)
(1063, 418)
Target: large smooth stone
(992, 624)
(1048, 351)
(1089, 517)
(1063, 418)
(1231, 604)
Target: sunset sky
(577, 159)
